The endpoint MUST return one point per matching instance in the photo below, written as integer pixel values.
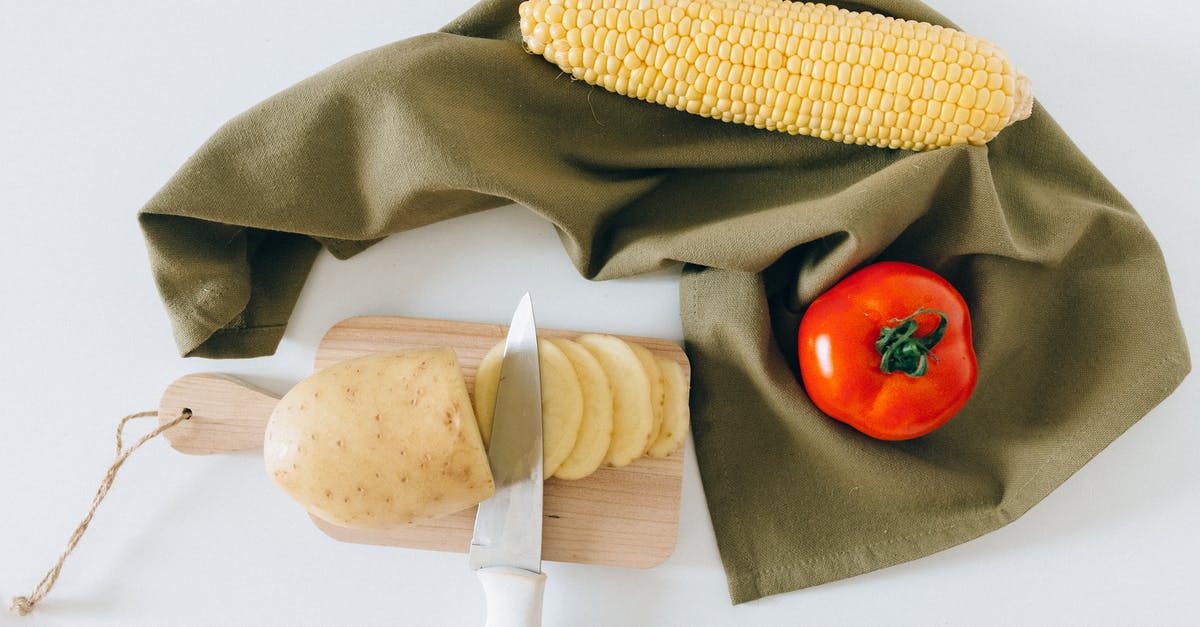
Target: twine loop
(24, 605)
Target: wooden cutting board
(618, 516)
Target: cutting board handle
(228, 414)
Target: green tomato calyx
(901, 351)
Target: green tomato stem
(901, 351)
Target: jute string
(23, 605)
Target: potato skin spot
(318, 432)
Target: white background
(100, 102)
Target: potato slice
(562, 401)
(676, 415)
(487, 378)
(562, 406)
(595, 431)
(654, 374)
(380, 441)
(633, 415)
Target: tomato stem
(901, 351)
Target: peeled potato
(487, 378)
(562, 401)
(654, 374)
(633, 415)
(675, 410)
(595, 430)
(380, 441)
(562, 406)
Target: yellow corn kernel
(795, 67)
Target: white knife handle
(514, 596)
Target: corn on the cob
(800, 68)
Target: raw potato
(654, 374)
(633, 415)
(675, 410)
(380, 441)
(562, 401)
(487, 378)
(562, 406)
(668, 404)
(595, 430)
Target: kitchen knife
(506, 549)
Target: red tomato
(888, 351)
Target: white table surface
(100, 102)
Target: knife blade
(506, 548)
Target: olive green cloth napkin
(1075, 324)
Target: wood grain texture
(618, 516)
(228, 414)
(471, 340)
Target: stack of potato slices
(604, 401)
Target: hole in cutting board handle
(227, 414)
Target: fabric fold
(1075, 325)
